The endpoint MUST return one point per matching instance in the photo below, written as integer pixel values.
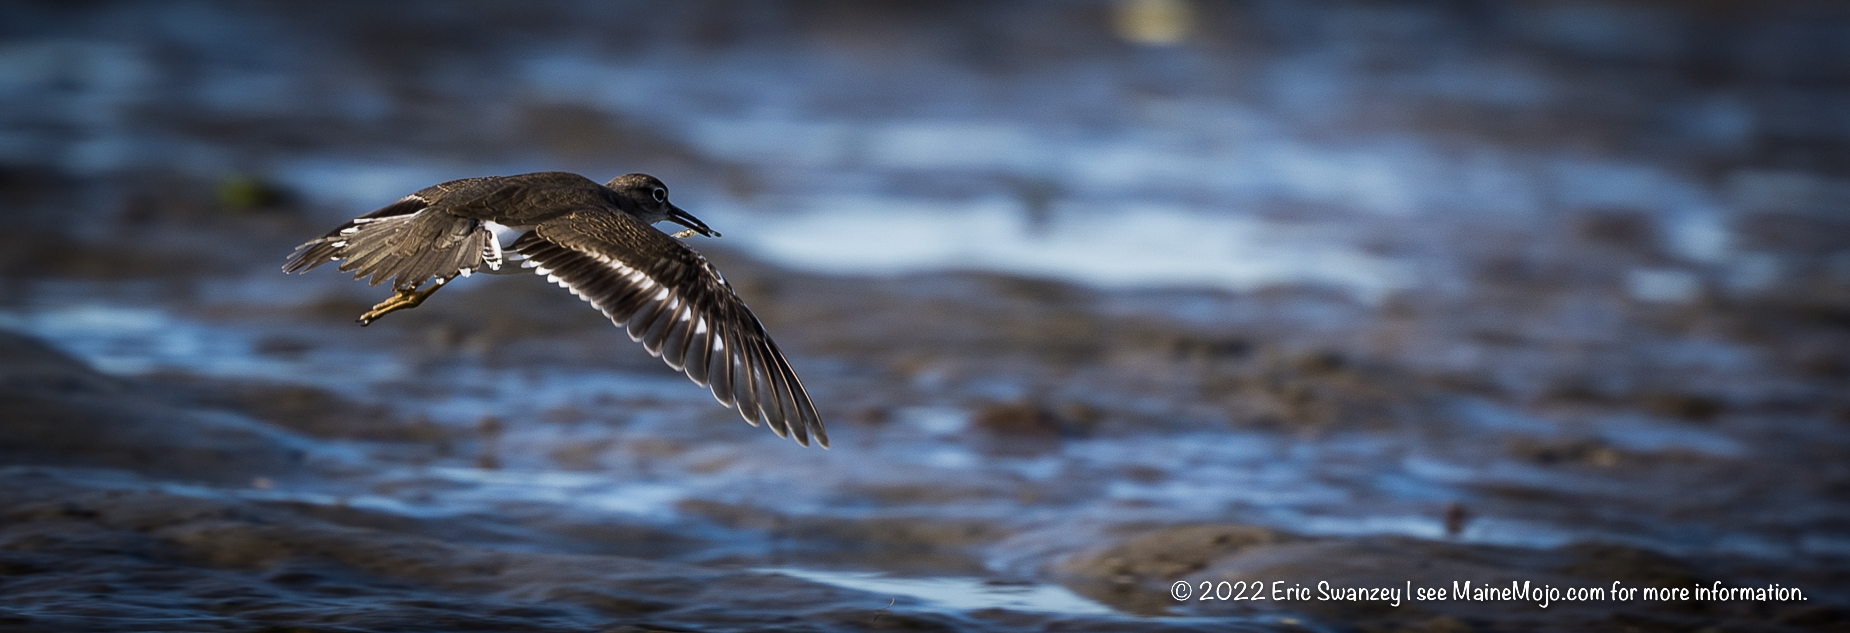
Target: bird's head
(647, 197)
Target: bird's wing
(669, 298)
(407, 241)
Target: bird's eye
(661, 195)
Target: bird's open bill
(683, 218)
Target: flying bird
(599, 242)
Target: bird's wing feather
(407, 241)
(411, 240)
(327, 248)
(672, 301)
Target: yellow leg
(404, 300)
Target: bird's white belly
(504, 234)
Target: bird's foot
(405, 300)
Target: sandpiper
(599, 242)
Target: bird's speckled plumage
(597, 241)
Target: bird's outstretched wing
(669, 298)
(406, 241)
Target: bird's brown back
(522, 200)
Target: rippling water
(1338, 272)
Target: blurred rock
(1456, 517)
(1628, 229)
(1018, 420)
(1588, 451)
(219, 562)
(1135, 572)
(307, 410)
(57, 411)
(1028, 427)
(1685, 406)
(1135, 575)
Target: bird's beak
(683, 218)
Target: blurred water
(1397, 156)
(1341, 485)
(130, 329)
(961, 594)
(1190, 186)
